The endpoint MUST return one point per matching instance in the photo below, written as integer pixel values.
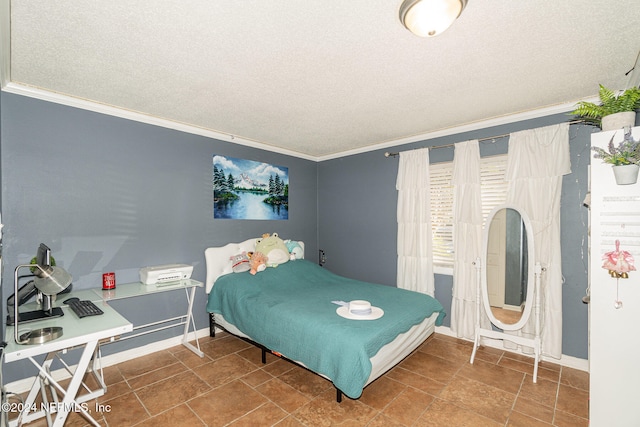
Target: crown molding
(482, 124)
(96, 107)
(70, 101)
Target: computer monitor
(28, 290)
(43, 257)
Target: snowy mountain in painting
(245, 181)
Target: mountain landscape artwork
(246, 189)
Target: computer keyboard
(84, 308)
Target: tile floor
(434, 386)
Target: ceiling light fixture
(428, 18)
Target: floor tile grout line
(455, 374)
(555, 402)
(143, 406)
(515, 401)
(186, 402)
(522, 382)
(377, 412)
(204, 423)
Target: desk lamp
(50, 280)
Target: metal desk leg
(69, 401)
(190, 322)
(30, 411)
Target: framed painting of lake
(246, 189)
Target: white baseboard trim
(23, 385)
(568, 361)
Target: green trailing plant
(626, 153)
(34, 260)
(611, 102)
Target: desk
(83, 333)
(138, 289)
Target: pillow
(274, 248)
(295, 250)
(240, 262)
(258, 262)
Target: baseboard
(568, 361)
(23, 385)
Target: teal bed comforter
(289, 309)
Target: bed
(291, 310)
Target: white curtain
(537, 160)
(467, 237)
(415, 261)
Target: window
(494, 192)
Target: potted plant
(617, 110)
(624, 159)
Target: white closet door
(614, 342)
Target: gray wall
(357, 218)
(108, 194)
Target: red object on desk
(109, 281)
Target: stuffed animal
(258, 262)
(274, 248)
(295, 250)
(240, 263)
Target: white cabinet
(614, 347)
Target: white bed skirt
(386, 358)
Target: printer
(167, 273)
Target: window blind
(493, 189)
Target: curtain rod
(488, 138)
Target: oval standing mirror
(507, 274)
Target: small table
(139, 289)
(85, 333)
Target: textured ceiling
(321, 78)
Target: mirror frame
(529, 301)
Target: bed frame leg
(338, 395)
(264, 356)
(212, 325)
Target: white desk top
(75, 331)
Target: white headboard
(218, 260)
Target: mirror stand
(481, 332)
